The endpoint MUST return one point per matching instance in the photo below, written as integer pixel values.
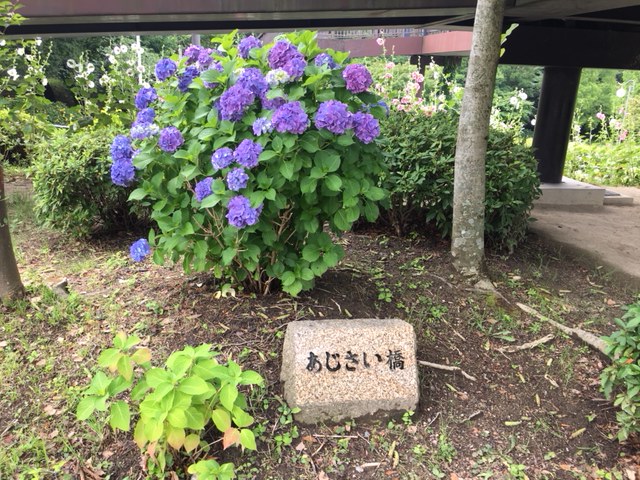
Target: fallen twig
(449, 368)
(587, 337)
(472, 416)
(526, 346)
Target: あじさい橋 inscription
(338, 369)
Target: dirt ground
(536, 413)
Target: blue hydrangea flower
(234, 102)
(146, 115)
(246, 44)
(213, 66)
(122, 172)
(277, 77)
(187, 77)
(222, 158)
(247, 153)
(237, 179)
(291, 118)
(239, 212)
(191, 53)
(203, 188)
(165, 68)
(357, 77)
(365, 127)
(272, 104)
(325, 59)
(205, 59)
(295, 68)
(170, 139)
(141, 130)
(262, 125)
(121, 148)
(144, 97)
(334, 116)
(383, 104)
(139, 250)
(252, 79)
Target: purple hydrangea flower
(246, 154)
(203, 188)
(146, 115)
(170, 139)
(357, 77)
(295, 68)
(246, 44)
(222, 158)
(205, 59)
(141, 130)
(383, 104)
(291, 118)
(252, 79)
(325, 59)
(366, 127)
(121, 149)
(192, 52)
(122, 172)
(282, 53)
(213, 66)
(273, 103)
(234, 102)
(239, 212)
(262, 125)
(334, 116)
(144, 97)
(186, 78)
(165, 68)
(277, 77)
(139, 250)
(237, 179)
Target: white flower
(90, 84)
(513, 101)
(123, 49)
(523, 96)
(90, 67)
(141, 68)
(71, 63)
(45, 82)
(112, 59)
(38, 41)
(20, 51)
(116, 50)
(13, 73)
(621, 92)
(380, 41)
(28, 57)
(129, 72)
(533, 122)
(3, 42)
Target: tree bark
(467, 237)
(10, 283)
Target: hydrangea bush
(250, 155)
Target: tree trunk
(10, 283)
(467, 237)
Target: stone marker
(342, 369)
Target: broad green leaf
(311, 253)
(195, 419)
(333, 183)
(241, 418)
(153, 429)
(288, 278)
(191, 442)
(137, 194)
(86, 407)
(194, 386)
(247, 439)
(221, 419)
(141, 355)
(228, 395)
(109, 358)
(125, 368)
(228, 255)
(120, 416)
(267, 155)
(156, 376)
(287, 170)
(99, 384)
(177, 418)
(175, 437)
(139, 436)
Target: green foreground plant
(174, 403)
(622, 377)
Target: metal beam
(544, 9)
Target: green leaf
(195, 419)
(99, 384)
(228, 254)
(333, 183)
(156, 376)
(288, 278)
(247, 439)
(120, 416)
(287, 170)
(125, 367)
(177, 418)
(327, 160)
(340, 220)
(241, 418)
(210, 201)
(194, 386)
(221, 419)
(137, 194)
(311, 253)
(109, 357)
(228, 395)
(191, 442)
(375, 193)
(86, 407)
(267, 155)
(249, 377)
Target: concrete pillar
(553, 122)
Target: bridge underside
(562, 35)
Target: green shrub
(604, 163)
(420, 152)
(19, 134)
(72, 185)
(622, 377)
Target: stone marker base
(342, 369)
